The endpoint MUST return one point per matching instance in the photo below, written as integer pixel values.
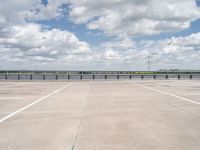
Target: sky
(99, 34)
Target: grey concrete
(101, 115)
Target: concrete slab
(96, 115)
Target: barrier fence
(96, 75)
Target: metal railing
(95, 76)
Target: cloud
(185, 44)
(176, 52)
(53, 9)
(111, 55)
(114, 17)
(33, 42)
(134, 17)
(17, 12)
(14, 12)
(23, 41)
(119, 44)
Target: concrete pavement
(100, 115)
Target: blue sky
(99, 34)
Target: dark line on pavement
(81, 118)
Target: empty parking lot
(100, 115)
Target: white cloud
(134, 17)
(14, 11)
(114, 17)
(123, 44)
(32, 41)
(52, 10)
(189, 43)
(175, 52)
(23, 42)
(17, 12)
(111, 55)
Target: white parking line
(170, 94)
(33, 103)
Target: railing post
(6, 76)
(18, 76)
(117, 77)
(68, 76)
(179, 76)
(56, 77)
(105, 77)
(191, 77)
(154, 76)
(167, 76)
(43, 76)
(93, 76)
(31, 77)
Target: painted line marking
(33, 103)
(10, 98)
(170, 94)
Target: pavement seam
(181, 109)
(81, 118)
(33, 103)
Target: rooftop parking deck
(100, 115)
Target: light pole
(149, 61)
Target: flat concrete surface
(100, 115)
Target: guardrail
(32, 76)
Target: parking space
(100, 115)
